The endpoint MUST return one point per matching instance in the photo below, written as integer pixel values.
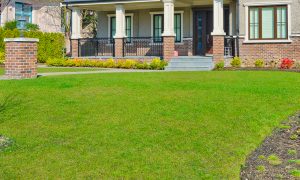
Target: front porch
(164, 29)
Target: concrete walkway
(105, 71)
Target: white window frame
(162, 13)
(272, 3)
(114, 15)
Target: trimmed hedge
(155, 64)
(51, 45)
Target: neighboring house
(46, 14)
(251, 29)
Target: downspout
(238, 27)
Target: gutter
(104, 2)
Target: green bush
(32, 27)
(56, 62)
(110, 63)
(2, 58)
(259, 63)
(11, 25)
(158, 64)
(220, 65)
(236, 62)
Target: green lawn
(53, 69)
(178, 125)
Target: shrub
(130, 64)
(274, 160)
(2, 58)
(110, 63)
(297, 65)
(220, 65)
(10, 25)
(236, 62)
(143, 65)
(32, 27)
(286, 63)
(56, 62)
(158, 64)
(259, 63)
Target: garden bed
(259, 69)
(279, 155)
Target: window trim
(162, 13)
(267, 4)
(114, 15)
(260, 33)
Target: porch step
(190, 63)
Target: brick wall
(269, 52)
(218, 48)
(119, 47)
(74, 48)
(20, 60)
(168, 47)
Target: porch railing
(143, 46)
(230, 46)
(96, 47)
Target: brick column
(20, 58)
(119, 45)
(218, 48)
(168, 47)
(74, 48)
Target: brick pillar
(168, 47)
(119, 45)
(218, 48)
(21, 58)
(74, 48)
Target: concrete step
(190, 63)
(188, 69)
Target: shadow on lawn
(10, 101)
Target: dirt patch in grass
(5, 142)
(278, 156)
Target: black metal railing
(143, 46)
(230, 46)
(96, 47)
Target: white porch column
(168, 18)
(120, 22)
(76, 23)
(218, 18)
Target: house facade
(221, 29)
(46, 14)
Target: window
(269, 22)
(23, 14)
(128, 27)
(158, 27)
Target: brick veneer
(20, 58)
(218, 48)
(168, 47)
(269, 51)
(74, 48)
(119, 45)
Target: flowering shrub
(109, 63)
(286, 63)
(236, 62)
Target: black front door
(203, 27)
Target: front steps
(190, 63)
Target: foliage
(274, 160)
(109, 63)
(296, 161)
(292, 152)
(10, 25)
(32, 27)
(259, 63)
(2, 57)
(295, 173)
(220, 65)
(286, 63)
(236, 62)
(157, 64)
(261, 168)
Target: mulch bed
(284, 144)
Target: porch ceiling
(137, 4)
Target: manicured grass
(181, 125)
(53, 69)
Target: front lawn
(54, 69)
(175, 125)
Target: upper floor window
(268, 23)
(23, 14)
